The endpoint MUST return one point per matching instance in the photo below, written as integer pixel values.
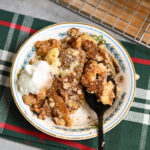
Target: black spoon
(99, 108)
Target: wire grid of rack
(130, 18)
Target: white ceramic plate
(83, 127)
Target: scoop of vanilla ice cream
(34, 77)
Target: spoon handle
(100, 133)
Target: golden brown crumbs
(77, 61)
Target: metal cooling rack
(128, 18)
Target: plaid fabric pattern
(133, 133)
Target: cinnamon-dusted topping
(42, 109)
(66, 42)
(45, 46)
(93, 70)
(41, 95)
(85, 36)
(77, 42)
(67, 57)
(91, 50)
(95, 87)
(64, 97)
(72, 92)
(72, 62)
(74, 32)
(59, 110)
(95, 79)
(77, 60)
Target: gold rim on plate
(55, 135)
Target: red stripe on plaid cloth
(141, 61)
(44, 136)
(17, 26)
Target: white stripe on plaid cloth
(137, 117)
(11, 32)
(6, 97)
(23, 35)
(6, 55)
(142, 93)
(141, 105)
(5, 81)
(5, 68)
(144, 127)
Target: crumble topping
(76, 61)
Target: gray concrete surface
(11, 145)
(44, 9)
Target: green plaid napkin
(133, 133)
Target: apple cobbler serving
(52, 83)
